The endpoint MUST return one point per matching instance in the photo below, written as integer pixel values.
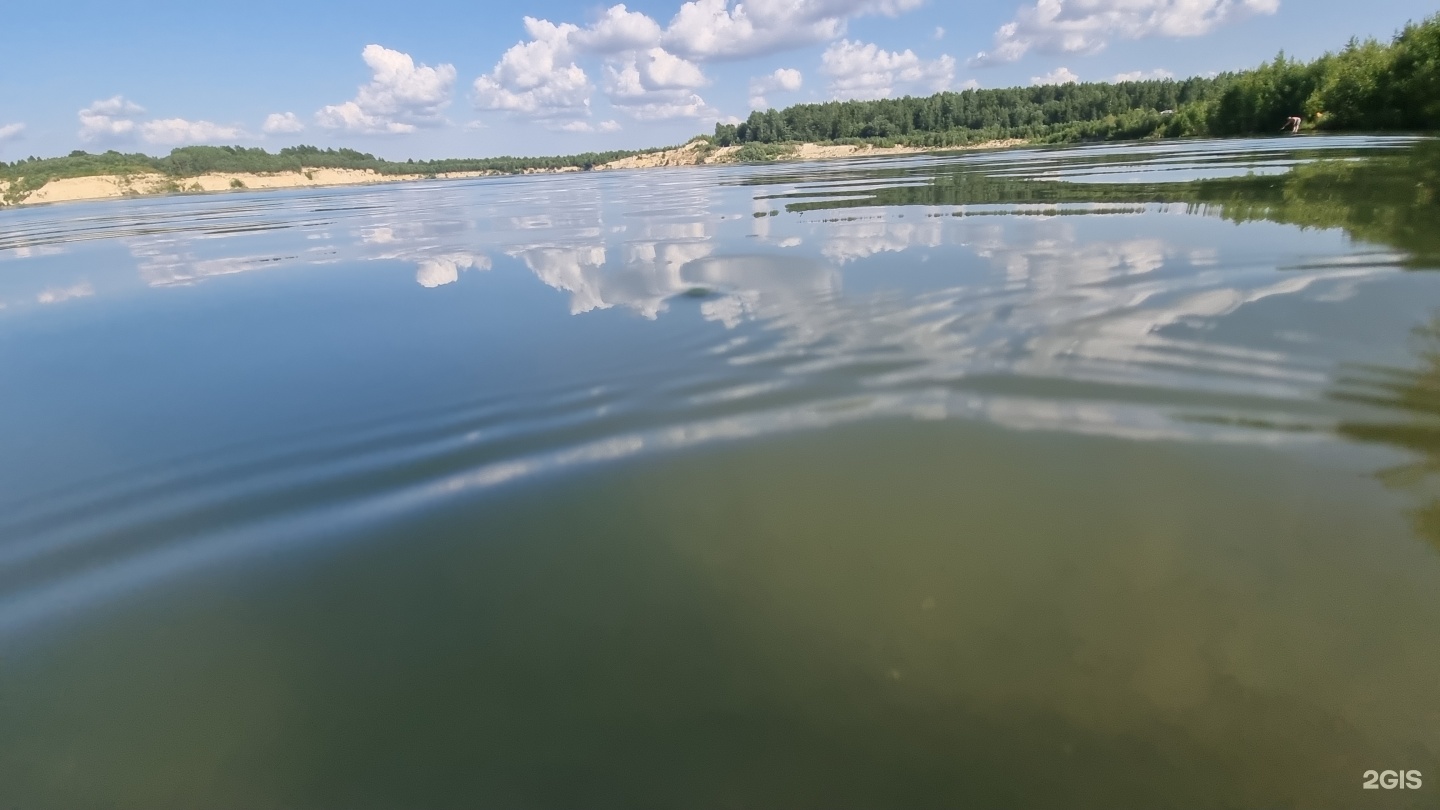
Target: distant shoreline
(695, 153)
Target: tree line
(1366, 85)
(189, 161)
(32, 173)
(1026, 112)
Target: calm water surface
(1091, 477)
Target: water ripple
(1099, 291)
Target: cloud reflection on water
(1030, 316)
(1137, 298)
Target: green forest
(1367, 85)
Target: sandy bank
(695, 153)
(699, 153)
(815, 151)
(99, 188)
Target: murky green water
(1085, 478)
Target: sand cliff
(695, 153)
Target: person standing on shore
(1293, 124)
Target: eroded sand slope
(695, 153)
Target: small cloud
(109, 118)
(474, 125)
(350, 115)
(939, 32)
(117, 118)
(1143, 75)
(115, 106)
(970, 84)
(437, 271)
(177, 131)
(281, 123)
(586, 126)
(8, 131)
(783, 79)
(1060, 75)
(55, 295)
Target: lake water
(1088, 477)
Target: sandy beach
(104, 187)
(695, 153)
(698, 153)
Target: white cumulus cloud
(8, 131)
(865, 71)
(786, 80)
(109, 118)
(656, 84)
(1087, 26)
(538, 78)
(118, 118)
(662, 70)
(1060, 75)
(617, 30)
(281, 123)
(1143, 75)
(437, 271)
(652, 71)
(399, 98)
(720, 29)
(178, 131)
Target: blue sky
(438, 78)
